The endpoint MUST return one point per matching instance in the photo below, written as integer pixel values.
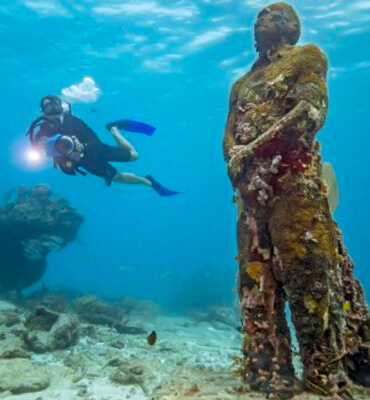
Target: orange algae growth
(254, 270)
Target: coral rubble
(91, 309)
(32, 223)
(192, 359)
(289, 247)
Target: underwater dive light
(33, 155)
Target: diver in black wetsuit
(76, 148)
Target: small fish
(347, 306)
(93, 110)
(152, 338)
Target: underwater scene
(184, 199)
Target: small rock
(91, 309)
(114, 362)
(93, 371)
(38, 341)
(9, 318)
(42, 319)
(117, 343)
(166, 349)
(22, 376)
(12, 346)
(88, 330)
(64, 333)
(130, 330)
(124, 377)
(79, 374)
(76, 360)
(82, 391)
(18, 330)
(192, 390)
(5, 306)
(136, 370)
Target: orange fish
(152, 338)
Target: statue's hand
(240, 157)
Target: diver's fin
(328, 174)
(161, 190)
(132, 126)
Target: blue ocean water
(170, 64)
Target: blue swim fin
(161, 190)
(132, 126)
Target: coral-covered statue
(289, 247)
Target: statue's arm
(308, 102)
(303, 118)
(311, 89)
(229, 134)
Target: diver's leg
(125, 177)
(125, 144)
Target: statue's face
(266, 31)
(276, 24)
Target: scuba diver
(75, 148)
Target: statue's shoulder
(307, 59)
(239, 82)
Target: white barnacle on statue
(275, 164)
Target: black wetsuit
(96, 155)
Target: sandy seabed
(191, 360)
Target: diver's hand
(78, 150)
(240, 157)
(78, 146)
(75, 156)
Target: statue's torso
(262, 100)
(263, 97)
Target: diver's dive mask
(53, 110)
(54, 106)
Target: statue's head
(276, 24)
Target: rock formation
(32, 223)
